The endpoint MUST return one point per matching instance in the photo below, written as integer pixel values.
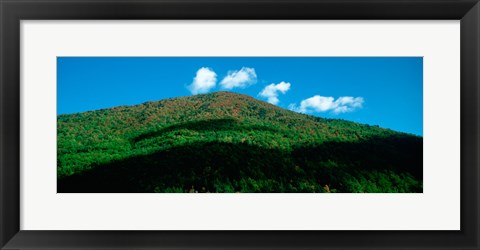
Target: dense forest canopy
(228, 142)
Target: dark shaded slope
(375, 165)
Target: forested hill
(228, 142)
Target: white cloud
(319, 103)
(239, 79)
(272, 91)
(205, 80)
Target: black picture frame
(13, 11)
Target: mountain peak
(228, 142)
(225, 94)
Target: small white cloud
(239, 78)
(205, 80)
(272, 91)
(319, 103)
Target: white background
(438, 208)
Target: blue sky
(385, 91)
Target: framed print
(239, 124)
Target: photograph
(239, 124)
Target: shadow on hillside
(205, 125)
(197, 164)
(211, 166)
(396, 153)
